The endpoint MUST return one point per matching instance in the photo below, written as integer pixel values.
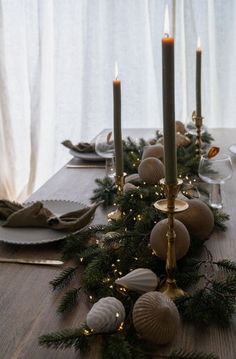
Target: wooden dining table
(28, 304)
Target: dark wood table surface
(28, 306)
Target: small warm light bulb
(198, 44)
(166, 22)
(116, 71)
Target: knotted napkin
(36, 215)
(80, 147)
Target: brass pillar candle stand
(116, 215)
(198, 123)
(170, 206)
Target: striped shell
(129, 187)
(156, 318)
(182, 140)
(151, 170)
(133, 178)
(179, 127)
(106, 315)
(140, 280)
(156, 151)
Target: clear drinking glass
(104, 147)
(215, 171)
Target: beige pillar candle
(168, 78)
(117, 125)
(198, 79)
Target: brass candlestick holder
(198, 123)
(171, 205)
(116, 215)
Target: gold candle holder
(116, 215)
(171, 205)
(198, 123)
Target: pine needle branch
(69, 300)
(67, 338)
(79, 242)
(220, 218)
(226, 265)
(181, 354)
(63, 278)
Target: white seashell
(139, 280)
(156, 318)
(134, 177)
(129, 187)
(151, 170)
(179, 127)
(156, 151)
(182, 140)
(106, 315)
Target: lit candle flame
(116, 71)
(166, 22)
(198, 43)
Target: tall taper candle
(168, 78)
(117, 125)
(198, 79)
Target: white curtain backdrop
(57, 64)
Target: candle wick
(166, 34)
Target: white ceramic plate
(232, 149)
(87, 156)
(32, 235)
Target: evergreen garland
(112, 250)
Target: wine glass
(104, 147)
(215, 171)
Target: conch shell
(139, 280)
(156, 318)
(106, 315)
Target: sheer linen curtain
(57, 64)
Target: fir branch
(79, 242)
(207, 138)
(187, 279)
(105, 191)
(182, 354)
(226, 265)
(220, 218)
(67, 338)
(63, 279)
(116, 347)
(208, 305)
(69, 300)
(89, 253)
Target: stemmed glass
(104, 147)
(215, 171)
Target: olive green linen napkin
(80, 147)
(36, 215)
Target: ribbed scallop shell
(140, 280)
(179, 127)
(182, 140)
(129, 187)
(106, 315)
(156, 318)
(156, 151)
